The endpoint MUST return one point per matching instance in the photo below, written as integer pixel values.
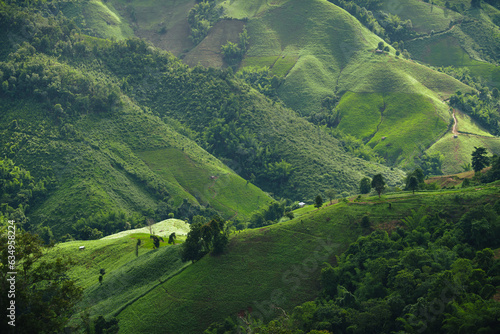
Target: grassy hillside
(115, 167)
(277, 265)
(425, 16)
(391, 97)
(448, 50)
(322, 51)
(162, 22)
(126, 277)
(97, 18)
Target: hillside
(285, 261)
(314, 46)
(118, 127)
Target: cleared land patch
(424, 16)
(396, 124)
(219, 187)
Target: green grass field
(396, 125)
(162, 229)
(457, 151)
(446, 50)
(215, 185)
(466, 124)
(276, 265)
(424, 16)
(98, 18)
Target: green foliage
(232, 52)
(381, 277)
(480, 107)
(378, 183)
(201, 18)
(365, 185)
(412, 183)
(430, 164)
(261, 79)
(18, 191)
(318, 202)
(101, 326)
(205, 238)
(44, 295)
(479, 159)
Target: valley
(250, 166)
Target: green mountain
(117, 127)
(115, 115)
(325, 54)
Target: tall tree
(412, 183)
(330, 193)
(365, 185)
(318, 202)
(479, 159)
(378, 184)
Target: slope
(96, 18)
(323, 51)
(277, 266)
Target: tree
(101, 326)
(413, 183)
(156, 241)
(44, 294)
(330, 193)
(318, 202)
(479, 159)
(365, 185)
(137, 247)
(380, 45)
(378, 184)
(171, 238)
(203, 238)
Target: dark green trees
(479, 159)
(171, 238)
(414, 179)
(318, 202)
(378, 184)
(365, 185)
(44, 294)
(156, 241)
(412, 183)
(204, 238)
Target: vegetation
(378, 183)
(479, 159)
(40, 288)
(201, 18)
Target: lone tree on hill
(330, 193)
(318, 202)
(365, 186)
(156, 241)
(413, 183)
(378, 184)
(171, 238)
(479, 159)
(380, 45)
